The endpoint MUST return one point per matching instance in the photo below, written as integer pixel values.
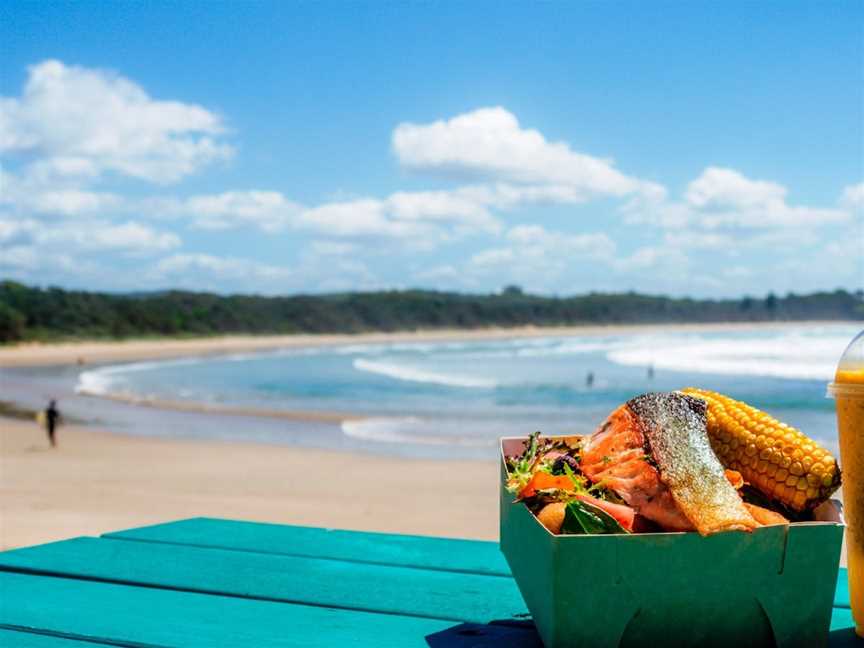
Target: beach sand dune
(97, 481)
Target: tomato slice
(541, 480)
(624, 515)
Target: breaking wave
(793, 355)
(412, 374)
(109, 380)
(405, 430)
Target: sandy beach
(96, 481)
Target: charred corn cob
(780, 461)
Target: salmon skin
(654, 453)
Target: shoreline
(197, 407)
(87, 354)
(33, 354)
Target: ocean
(456, 398)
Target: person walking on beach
(52, 418)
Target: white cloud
(532, 248)
(697, 240)
(538, 240)
(490, 143)
(85, 121)
(70, 202)
(441, 206)
(331, 248)
(421, 219)
(427, 217)
(538, 259)
(493, 257)
(445, 272)
(24, 257)
(47, 191)
(853, 196)
(724, 188)
(57, 169)
(361, 217)
(20, 261)
(220, 267)
(430, 215)
(130, 238)
(267, 210)
(725, 198)
(736, 272)
(312, 274)
(15, 231)
(651, 256)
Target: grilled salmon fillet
(654, 453)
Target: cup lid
(849, 378)
(853, 357)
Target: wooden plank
(841, 618)
(841, 593)
(470, 556)
(20, 639)
(139, 616)
(455, 596)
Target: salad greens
(548, 472)
(581, 518)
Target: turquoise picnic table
(219, 583)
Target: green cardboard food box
(771, 587)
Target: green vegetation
(28, 313)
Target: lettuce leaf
(581, 518)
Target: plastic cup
(848, 392)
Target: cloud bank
(94, 181)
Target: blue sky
(707, 149)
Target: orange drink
(848, 392)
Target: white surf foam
(566, 348)
(108, 380)
(404, 430)
(413, 374)
(796, 355)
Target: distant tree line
(31, 313)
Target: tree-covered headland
(32, 313)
